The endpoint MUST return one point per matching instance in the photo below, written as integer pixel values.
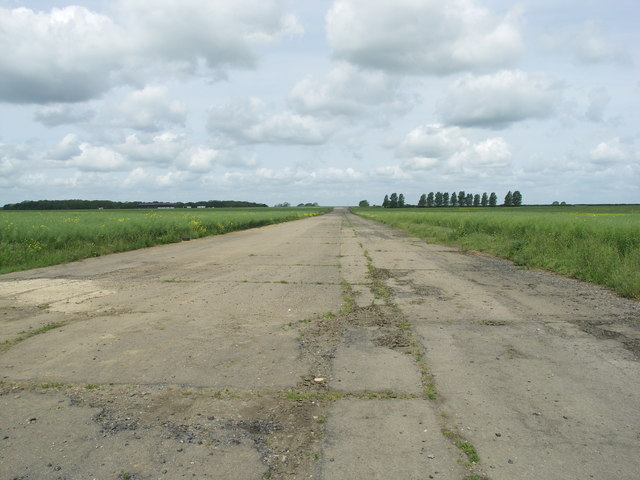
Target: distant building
(157, 205)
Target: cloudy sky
(328, 101)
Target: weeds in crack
(469, 451)
(224, 393)
(51, 385)
(330, 396)
(7, 344)
(333, 395)
(378, 287)
(349, 302)
(464, 446)
(381, 291)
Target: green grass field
(30, 239)
(599, 244)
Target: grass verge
(31, 239)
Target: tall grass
(30, 239)
(599, 244)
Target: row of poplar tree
(459, 199)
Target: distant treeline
(108, 204)
(459, 199)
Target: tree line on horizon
(455, 199)
(108, 204)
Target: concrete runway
(331, 347)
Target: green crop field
(30, 239)
(599, 244)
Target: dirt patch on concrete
(624, 331)
(158, 432)
(320, 338)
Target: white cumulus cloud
(141, 152)
(608, 152)
(489, 153)
(73, 54)
(499, 100)
(199, 159)
(219, 32)
(349, 91)
(161, 149)
(149, 109)
(8, 161)
(58, 114)
(589, 43)
(422, 36)
(433, 141)
(98, 159)
(391, 172)
(437, 147)
(171, 178)
(65, 55)
(136, 177)
(66, 148)
(249, 121)
(338, 174)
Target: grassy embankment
(599, 244)
(30, 239)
